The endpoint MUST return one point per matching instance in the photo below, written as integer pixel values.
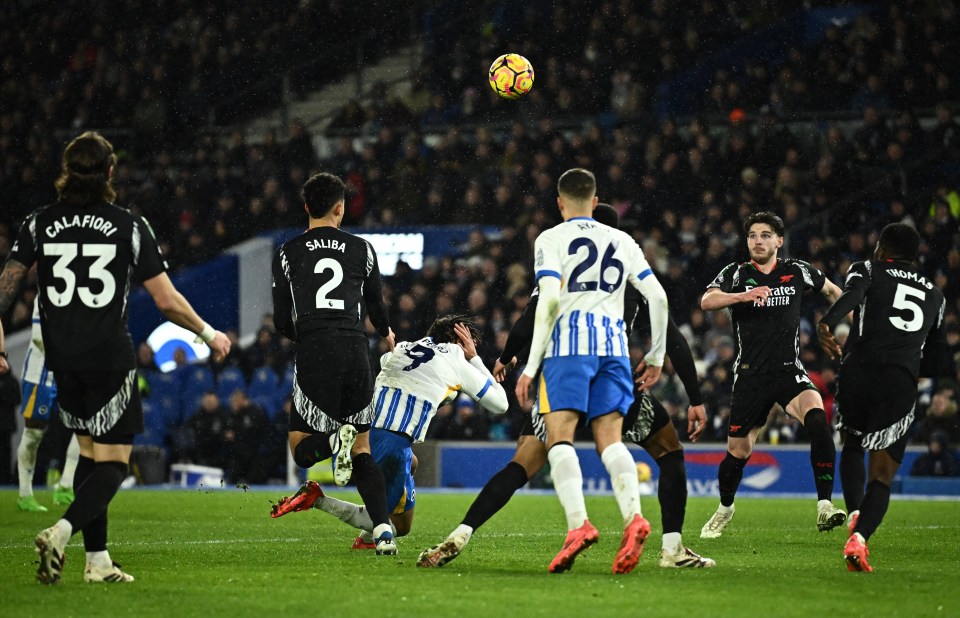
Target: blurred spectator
(245, 429)
(939, 460)
(208, 426)
(941, 417)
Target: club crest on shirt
(539, 257)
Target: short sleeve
(813, 279)
(547, 260)
(639, 265)
(858, 277)
(25, 247)
(149, 261)
(724, 280)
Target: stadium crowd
(443, 154)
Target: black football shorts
(875, 405)
(755, 394)
(104, 405)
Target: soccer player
(764, 296)
(580, 337)
(39, 404)
(897, 336)
(416, 378)
(88, 252)
(321, 280)
(647, 423)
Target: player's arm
(373, 297)
(521, 334)
(935, 361)
(641, 276)
(10, 279)
(854, 291)
(282, 298)
(831, 291)
(475, 379)
(178, 310)
(720, 294)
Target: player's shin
(623, 475)
(27, 459)
(96, 493)
(729, 476)
(853, 475)
(568, 483)
(823, 452)
(372, 488)
(495, 494)
(672, 495)
(312, 449)
(876, 500)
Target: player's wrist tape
(207, 334)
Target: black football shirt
(322, 280)
(897, 312)
(87, 257)
(767, 336)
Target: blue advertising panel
(771, 470)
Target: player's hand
(220, 346)
(828, 342)
(696, 421)
(390, 339)
(4, 366)
(500, 370)
(466, 340)
(646, 375)
(523, 390)
(757, 295)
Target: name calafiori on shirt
(323, 243)
(95, 223)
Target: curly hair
(442, 329)
(85, 171)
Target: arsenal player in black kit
(88, 251)
(764, 297)
(322, 280)
(897, 336)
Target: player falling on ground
(321, 281)
(38, 407)
(88, 252)
(647, 424)
(582, 268)
(764, 296)
(897, 336)
(415, 380)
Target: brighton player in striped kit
(415, 379)
(582, 269)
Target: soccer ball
(511, 76)
(643, 472)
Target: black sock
(873, 508)
(729, 476)
(372, 488)
(672, 491)
(853, 475)
(823, 452)
(95, 494)
(312, 449)
(495, 494)
(85, 466)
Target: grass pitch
(212, 553)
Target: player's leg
(372, 488)
(611, 396)
(36, 410)
(852, 406)
(528, 459)
(63, 494)
(853, 476)
(807, 407)
(568, 484)
(883, 467)
(665, 448)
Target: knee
(815, 420)
(402, 524)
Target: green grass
(219, 553)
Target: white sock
(622, 469)
(463, 530)
(99, 559)
(383, 528)
(65, 528)
(823, 504)
(568, 483)
(70, 463)
(366, 536)
(725, 509)
(672, 542)
(27, 459)
(349, 513)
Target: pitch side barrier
(772, 470)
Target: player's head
(577, 190)
(322, 193)
(86, 170)
(898, 241)
(607, 215)
(764, 232)
(441, 331)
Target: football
(511, 76)
(644, 473)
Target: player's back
(900, 309)
(326, 269)
(595, 262)
(86, 260)
(416, 379)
